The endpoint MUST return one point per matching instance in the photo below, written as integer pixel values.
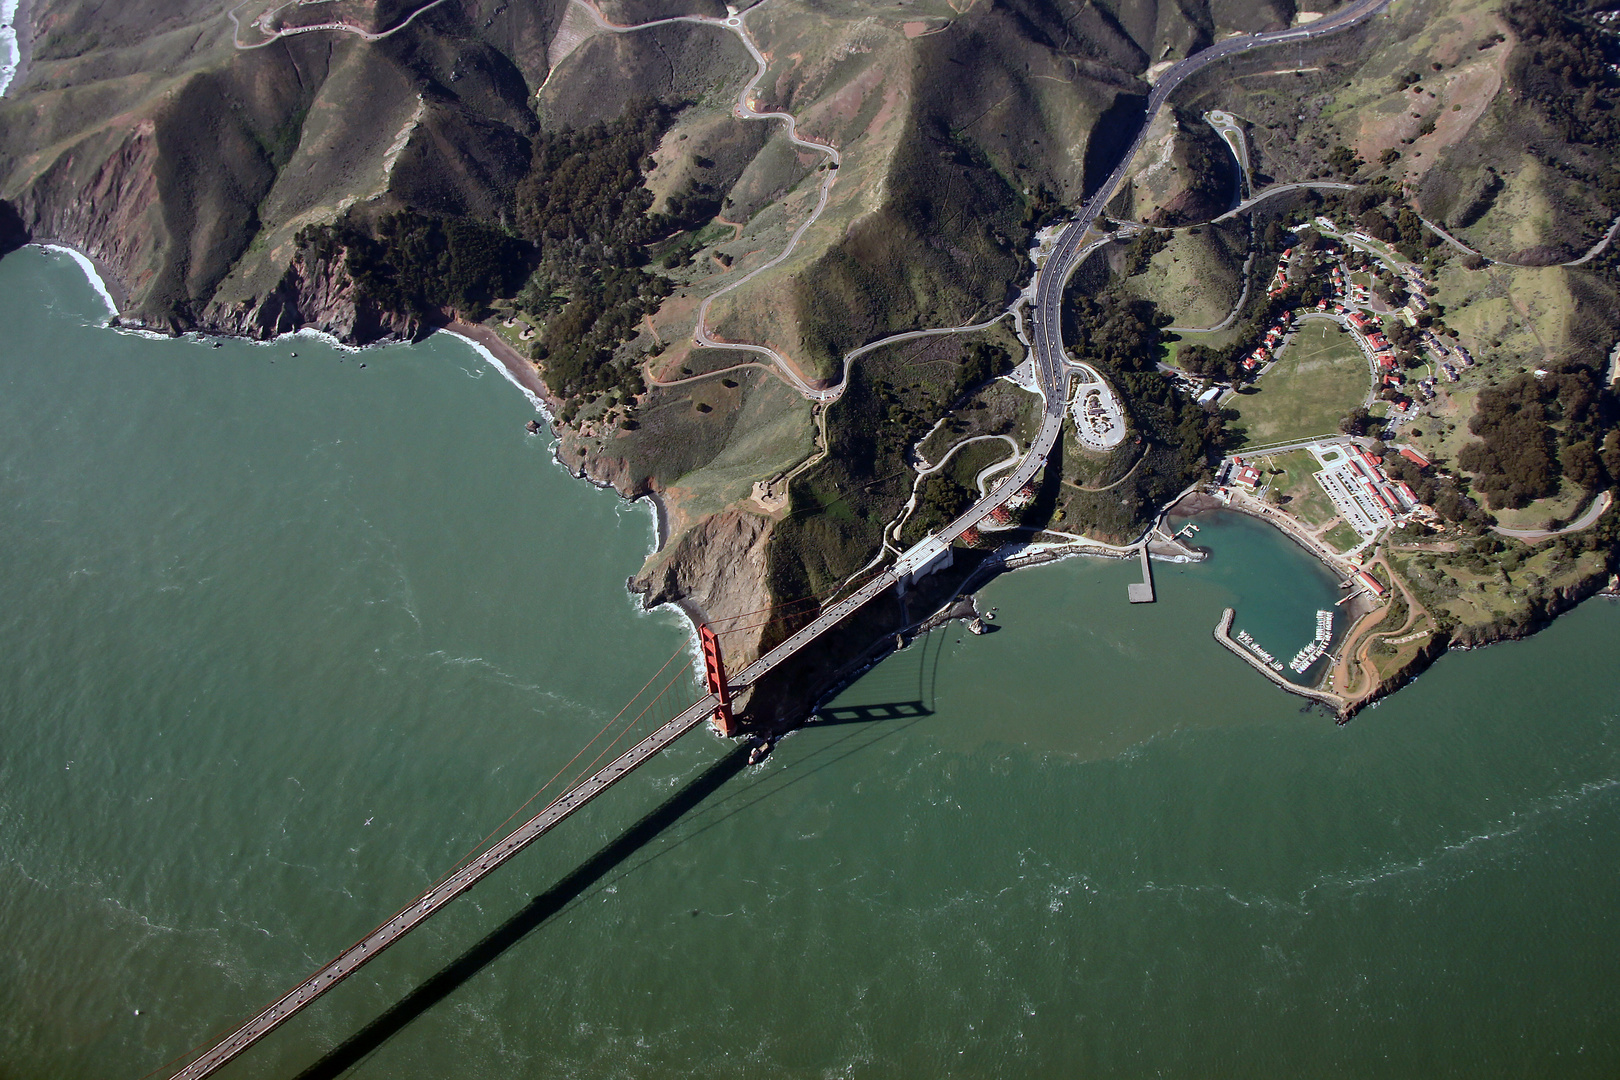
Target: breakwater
(1223, 634)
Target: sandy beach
(101, 278)
(517, 367)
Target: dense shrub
(415, 264)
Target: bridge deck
(429, 902)
(425, 905)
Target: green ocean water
(281, 637)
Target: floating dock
(1224, 636)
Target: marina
(1318, 645)
(1265, 657)
(1242, 644)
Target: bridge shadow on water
(865, 714)
(686, 803)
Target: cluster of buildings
(1002, 516)
(1280, 279)
(1270, 344)
(1354, 480)
(1360, 490)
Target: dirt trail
(1362, 637)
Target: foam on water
(1104, 845)
(493, 361)
(8, 39)
(79, 257)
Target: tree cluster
(1145, 245)
(982, 363)
(416, 265)
(1533, 430)
(573, 260)
(939, 499)
(584, 206)
(1569, 74)
(1438, 491)
(1121, 336)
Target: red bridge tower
(714, 674)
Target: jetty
(1142, 593)
(1223, 634)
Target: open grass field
(1194, 279)
(970, 460)
(1342, 538)
(1217, 340)
(1301, 495)
(1321, 377)
(1568, 503)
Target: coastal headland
(716, 328)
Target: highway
(1052, 374)
(1046, 315)
(1278, 189)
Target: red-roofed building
(1371, 582)
(1414, 457)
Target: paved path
(277, 35)
(1585, 521)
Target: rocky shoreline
(699, 574)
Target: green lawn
(1342, 537)
(1321, 377)
(1303, 496)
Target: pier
(1223, 634)
(1142, 593)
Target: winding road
(1591, 253)
(342, 27)
(1585, 521)
(744, 110)
(1051, 364)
